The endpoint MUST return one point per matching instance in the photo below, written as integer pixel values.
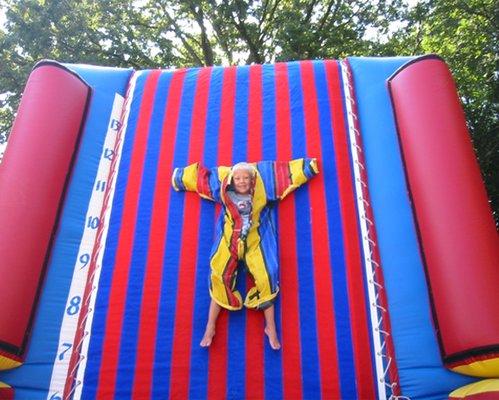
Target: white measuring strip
(380, 372)
(75, 299)
(95, 283)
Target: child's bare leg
(270, 328)
(211, 324)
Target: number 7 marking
(67, 346)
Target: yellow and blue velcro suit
(273, 181)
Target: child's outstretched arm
(196, 178)
(281, 177)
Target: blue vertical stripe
(237, 320)
(199, 356)
(240, 148)
(169, 287)
(272, 359)
(101, 305)
(307, 305)
(269, 112)
(336, 238)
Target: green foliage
(163, 33)
(332, 29)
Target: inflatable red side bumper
(454, 219)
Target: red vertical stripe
(254, 320)
(182, 336)
(226, 133)
(155, 255)
(217, 364)
(326, 331)
(291, 351)
(355, 275)
(255, 113)
(117, 296)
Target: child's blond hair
(244, 166)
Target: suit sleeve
(196, 178)
(281, 177)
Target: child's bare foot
(208, 336)
(273, 340)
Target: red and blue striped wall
(153, 298)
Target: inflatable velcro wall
(388, 258)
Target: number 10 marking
(93, 222)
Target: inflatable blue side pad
(32, 380)
(421, 371)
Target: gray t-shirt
(243, 204)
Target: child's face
(242, 181)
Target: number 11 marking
(101, 186)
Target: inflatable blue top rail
(388, 258)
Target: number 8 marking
(74, 305)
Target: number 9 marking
(84, 259)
